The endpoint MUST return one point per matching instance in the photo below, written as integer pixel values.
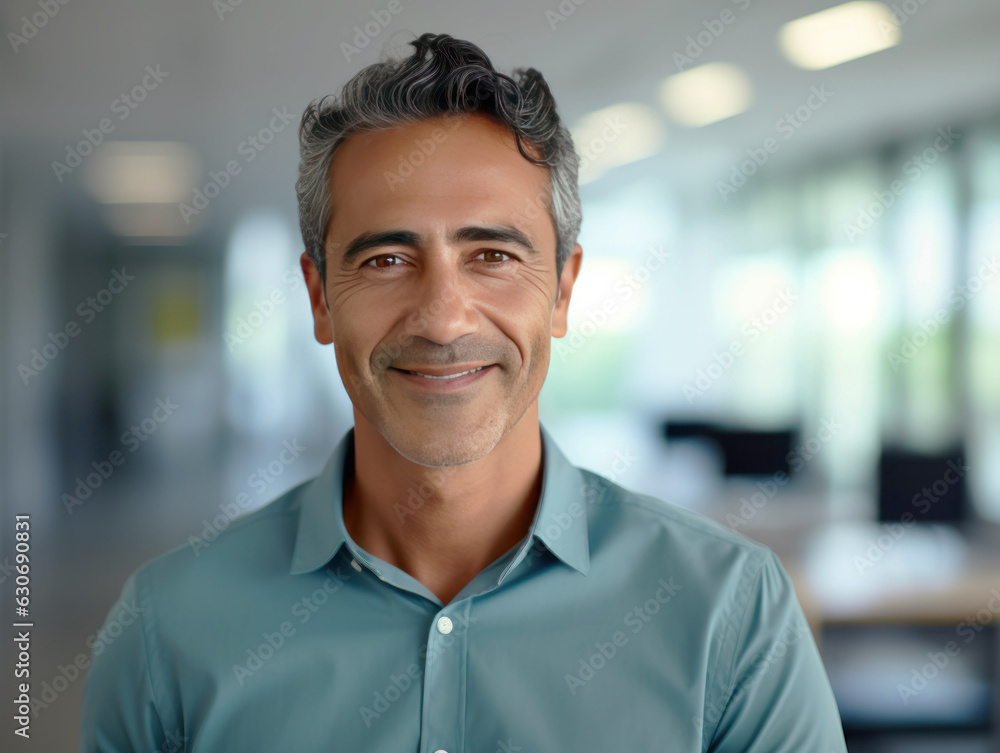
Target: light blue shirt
(620, 622)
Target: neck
(443, 526)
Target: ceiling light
(148, 224)
(141, 172)
(616, 135)
(836, 35)
(706, 94)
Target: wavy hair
(443, 76)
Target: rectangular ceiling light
(836, 35)
(706, 94)
(141, 172)
(616, 135)
(149, 224)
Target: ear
(570, 271)
(322, 327)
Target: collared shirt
(620, 622)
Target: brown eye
(382, 258)
(495, 254)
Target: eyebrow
(469, 233)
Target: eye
(382, 257)
(494, 253)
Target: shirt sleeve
(119, 708)
(779, 699)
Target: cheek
(352, 342)
(531, 338)
(371, 337)
(540, 345)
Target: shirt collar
(560, 520)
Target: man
(451, 582)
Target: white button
(440, 750)
(444, 626)
(355, 565)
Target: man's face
(443, 294)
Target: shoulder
(225, 550)
(676, 538)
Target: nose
(443, 309)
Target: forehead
(448, 169)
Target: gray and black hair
(458, 78)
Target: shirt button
(444, 627)
(440, 750)
(355, 565)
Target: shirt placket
(442, 720)
(442, 723)
(445, 666)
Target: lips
(447, 376)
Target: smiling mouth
(447, 376)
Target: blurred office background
(787, 319)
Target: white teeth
(449, 376)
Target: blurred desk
(863, 571)
(924, 573)
(907, 618)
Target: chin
(440, 446)
(440, 454)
